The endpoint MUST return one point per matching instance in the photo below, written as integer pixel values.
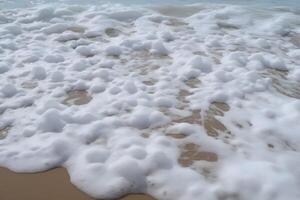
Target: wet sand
(4, 131)
(77, 97)
(51, 185)
(192, 152)
(282, 83)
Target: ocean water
(266, 3)
(182, 101)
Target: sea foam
(198, 103)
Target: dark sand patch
(193, 82)
(176, 135)
(218, 108)
(191, 152)
(176, 23)
(112, 32)
(209, 120)
(200, 53)
(227, 26)
(295, 39)
(3, 132)
(150, 82)
(77, 29)
(183, 94)
(29, 85)
(50, 185)
(194, 118)
(77, 97)
(211, 124)
(282, 84)
(145, 70)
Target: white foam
(57, 76)
(3, 69)
(39, 73)
(9, 90)
(54, 58)
(81, 65)
(51, 121)
(113, 51)
(153, 73)
(159, 48)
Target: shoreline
(48, 185)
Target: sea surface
(265, 3)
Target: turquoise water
(29, 3)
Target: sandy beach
(50, 185)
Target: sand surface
(51, 185)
